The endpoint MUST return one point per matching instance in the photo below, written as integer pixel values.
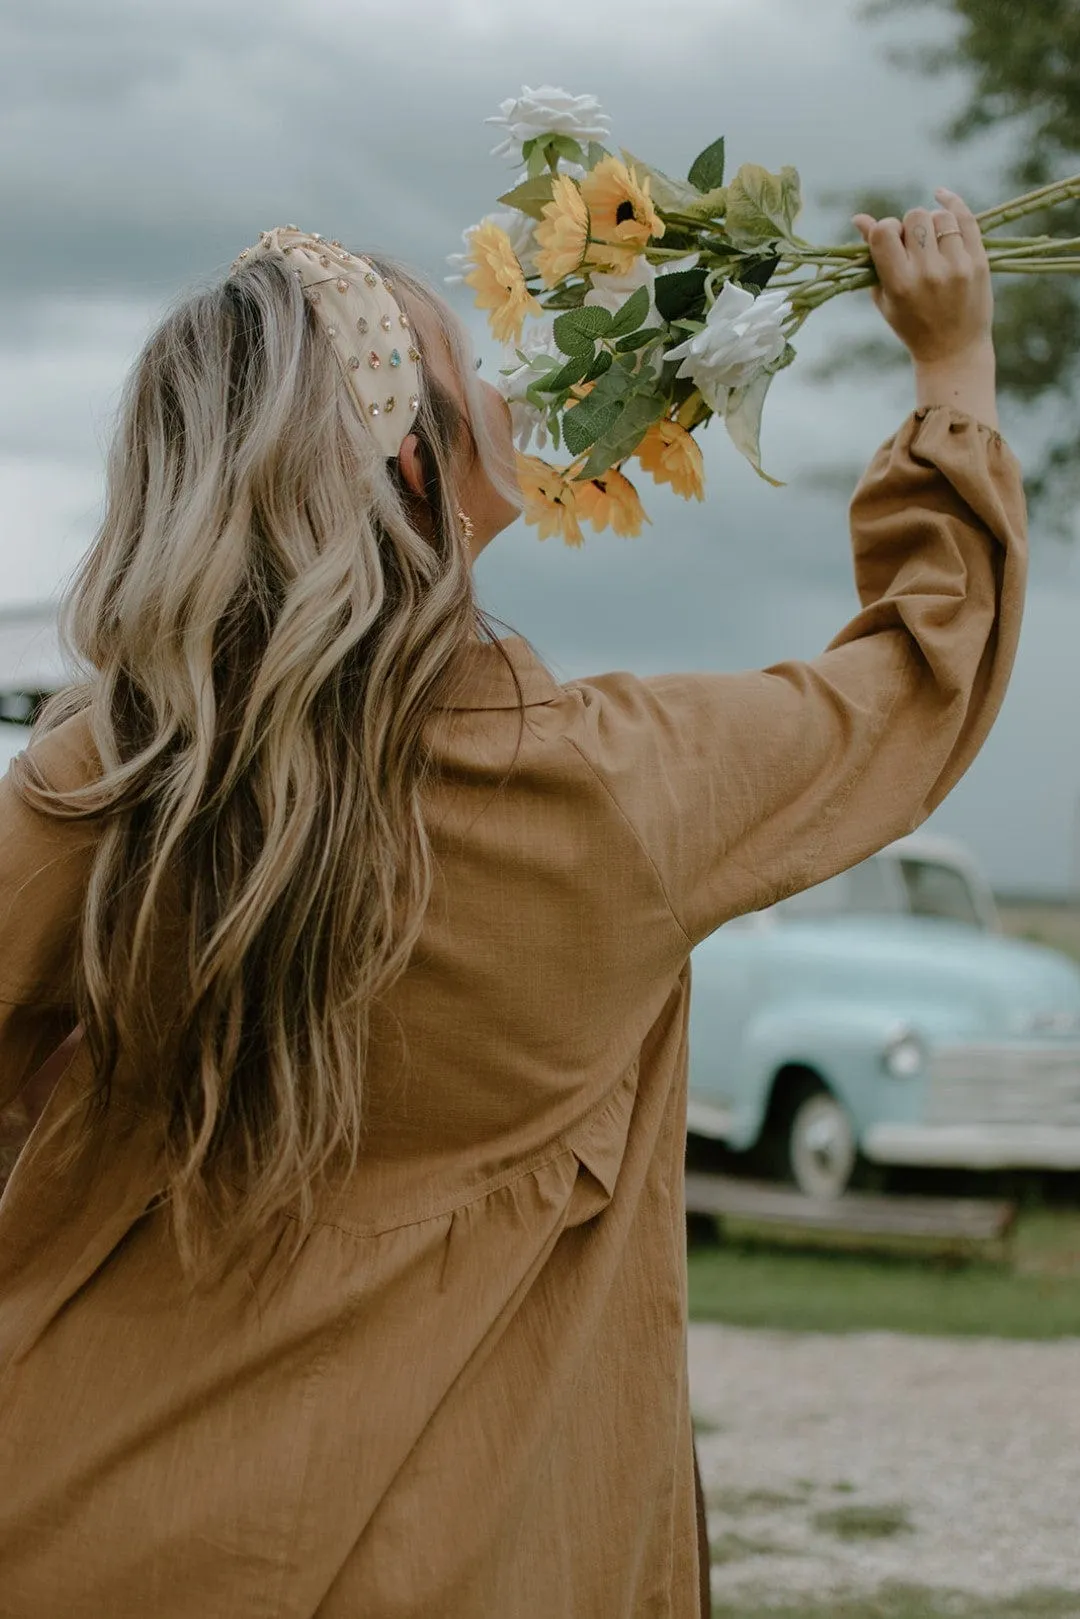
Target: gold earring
(467, 527)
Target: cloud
(153, 142)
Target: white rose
(741, 338)
(514, 381)
(611, 291)
(547, 111)
(518, 226)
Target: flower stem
(1032, 202)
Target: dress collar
(484, 676)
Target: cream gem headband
(368, 329)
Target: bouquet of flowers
(636, 306)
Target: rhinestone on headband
(351, 308)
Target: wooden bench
(965, 1219)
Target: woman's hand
(934, 290)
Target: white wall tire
(822, 1150)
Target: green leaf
(675, 196)
(708, 208)
(586, 423)
(577, 331)
(531, 196)
(707, 169)
(625, 434)
(534, 157)
(537, 362)
(574, 371)
(564, 146)
(679, 292)
(596, 154)
(570, 295)
(630, 314)
(761, 206)
(601, 364)
(757, 272)
(742, 418)
(638, 339)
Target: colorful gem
(373, 360)
(372, 279)
(404, 319)
(331, 331)
(414, 401)
(373, 410)
(388, 407)
(414, 355)
(395, 359)
(362, 326)
(385, 323)
(389, 285)
(342, 284)
(354, 362)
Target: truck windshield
(884, 886)
(934, 889)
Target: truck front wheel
(821, 1146)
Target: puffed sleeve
(744, 788)
(44, 869)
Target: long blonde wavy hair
(265, 634)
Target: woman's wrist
(965, 382)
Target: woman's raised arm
(743, 788)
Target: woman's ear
(411, 462)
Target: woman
(343, 1273)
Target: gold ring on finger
(941, 235)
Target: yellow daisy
(674, 456)
(563, 233)
(550, 500)
(499, 282)
(622, 216)
(611, 501)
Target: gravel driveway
(835, 1465)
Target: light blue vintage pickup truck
(883, 1017)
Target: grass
(911, 1602)
(864, 1522)
(736, 1503)
(800, 1283)
(734, 1548)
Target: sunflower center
(624, 212)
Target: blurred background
(145, 144)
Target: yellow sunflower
(611, 501)
(550, 500)
(563, 233)
(674, 456)
(499, 282)
(622, 216)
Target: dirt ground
(840, 1467)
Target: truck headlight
(904, 1055)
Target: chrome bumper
(975, 1146)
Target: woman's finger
(919, 238)
(884, 239)
(950, 238)
(965, 219)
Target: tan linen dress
(468, 1396)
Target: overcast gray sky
(145, 144)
